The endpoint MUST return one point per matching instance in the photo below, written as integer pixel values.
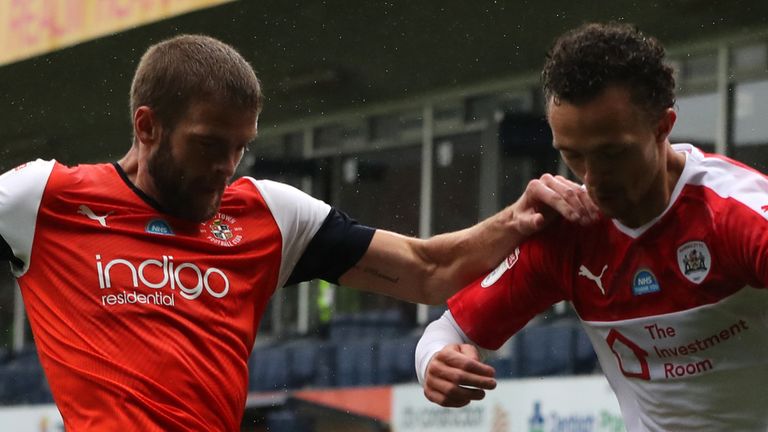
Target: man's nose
(227, 164)
(593, 172)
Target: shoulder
(272, 188)
(553, 248)
(30, 171)
(26, 181)
(563, 233)
(294, 211)
(279, 196)
(727, 184)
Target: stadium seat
(22, 380)
(585, 358)
(505, 367)
(396, 360)
(343, 327)
(546, 349)
(435, 312)
(356, 362)
(269, 369)
(287, 421)
(311, 363)
(383, 323)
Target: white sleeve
(21, 191)
(298, 216)
(441, 332)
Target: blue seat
(546, 349)
(435, 312)
(269, 369)
(506, 367)
(343, 327)
(23, 380)
(356, 362)
(396, 360)
(385, 323)
(311, 363)
(379, 323)
(585, 358)
(287, 421)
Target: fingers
(455, 376)
(565, 197)
(591, 208)
(447, 394)
(470, 351)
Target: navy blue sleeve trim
(6, 254)
(336, 247)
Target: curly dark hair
(586, 60)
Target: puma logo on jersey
(86, 211)
(598, 280)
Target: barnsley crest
(694, 260)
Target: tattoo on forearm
(375, 272)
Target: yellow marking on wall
(34, 27)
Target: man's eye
(206, 145)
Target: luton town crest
(223, 230)
(694, 260)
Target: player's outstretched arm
(429, 271)
(448, 365)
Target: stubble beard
(172, 186)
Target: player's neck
(130, 163)
(658, 197)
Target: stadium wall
(584, 404)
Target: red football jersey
(675, 309)
(144, 321)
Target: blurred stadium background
(420, 117)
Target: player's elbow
(436, 288)
(434, 277)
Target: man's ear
(146, 127)
(665, 124)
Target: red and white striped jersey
(676, 309)
(144, 321)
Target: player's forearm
(430, 271)
(458, 258)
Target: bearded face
(182, 193)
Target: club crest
(694, 260)
(223, 230)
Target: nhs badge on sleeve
(694, 260)
(645, 282)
